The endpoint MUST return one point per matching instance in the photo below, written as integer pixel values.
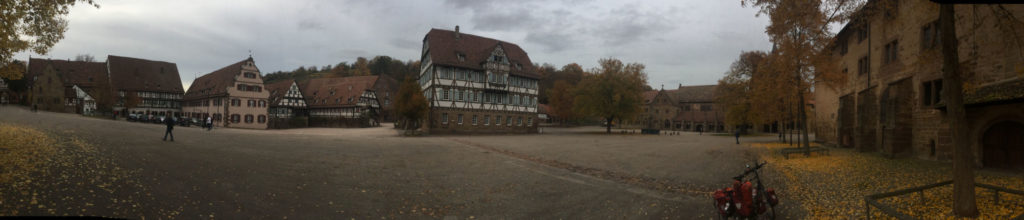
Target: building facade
(145, 87)
(477, 85)
(287, 105)
(686, 108)
(342, 101)
(892, 100)
(66, 86)
(233, 96)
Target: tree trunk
(608, 127)
(803, 125)
(964, 203)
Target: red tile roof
(216, 83)
(705, 93)
(444, 50)
(649, 96)
(318, 92)
(278, 90)
(81, 73)
(134, 74)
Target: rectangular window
(487, 120)
(519, 121)
(930, 35)
(474, 119)
(862, 34)
(529, 121)
(891, 52)
(508, 121)
(458, 94)
(863, 65)
(459, 119)
(497, 120)
(931, 93)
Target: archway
(1003, 146)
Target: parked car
(133, 117)
(157, 119)
(184, 121)
(197, 121)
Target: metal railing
(872, 200)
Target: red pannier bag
(744, 205)
(723, 202)
(772, 199)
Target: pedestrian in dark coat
(737, 136)
(209, 123)
(169, 121)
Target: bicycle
(744, 200)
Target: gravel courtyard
(318, 173)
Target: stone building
(233, 96)
(65, 86)
(145, 86)
(892, 99)
(476, 84)
(342, 101)
(287, 105)
(686, 108)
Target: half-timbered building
(477, 85)
(342, 101)
(287, 106)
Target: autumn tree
(131, 100)
(611, 91)
(31, 25)
(410, 104)
(800, 31)
(964, 203)
(361, 67)
(735, 90)
(561, 98)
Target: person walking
(737, 136)
(209, 123)
(169, 121)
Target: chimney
(456, 32)
(680, 85)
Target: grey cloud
(308, 24)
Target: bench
(786, 151)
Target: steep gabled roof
(278, 90)
(705, 93)
(134, 74)
(649, 96)
(216, 83)
(336, 91)
(444, 49)
(81, 73)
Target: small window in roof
(462, 57)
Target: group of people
(170, 121)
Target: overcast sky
(681, 42)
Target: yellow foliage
(834, 187)
(22, 150)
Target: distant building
(145, 86)
(892, 101)
(233, 96)
(342, 101)
(686, 108)
(477, 85)
(288, 107)
(65, 86)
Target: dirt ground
(318, 173)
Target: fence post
(867, 208)
(995, 194)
